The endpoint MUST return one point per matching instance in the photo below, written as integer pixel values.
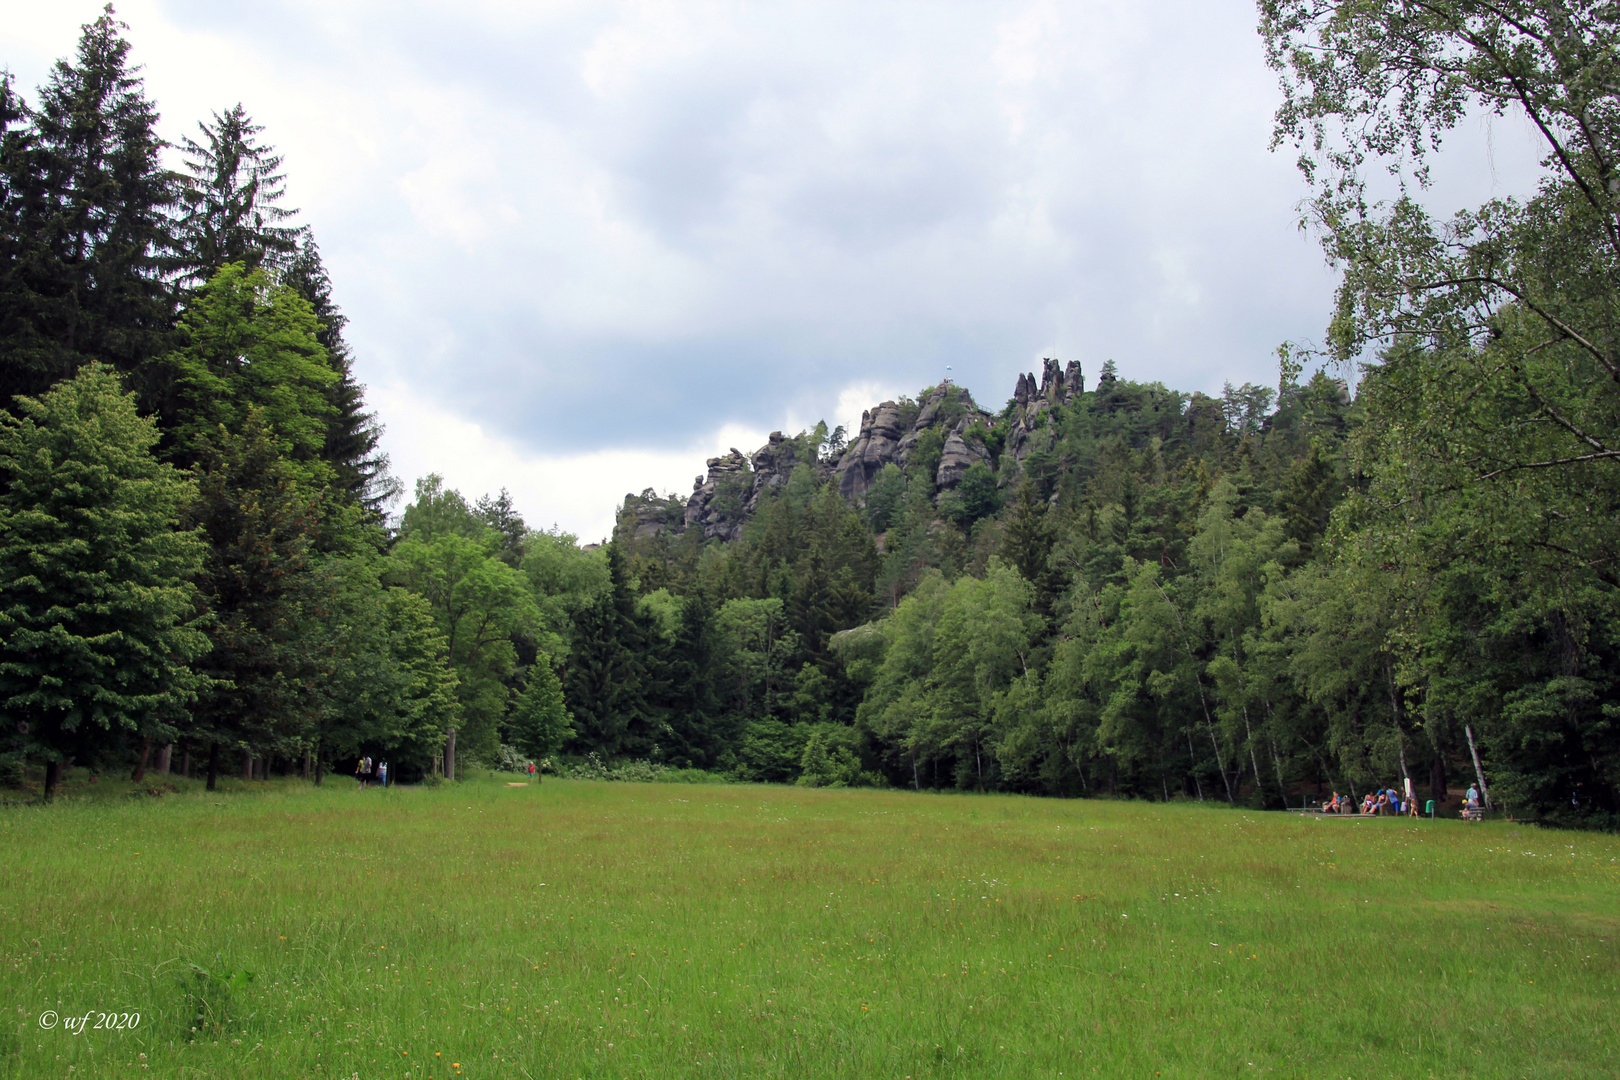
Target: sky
(585, 246)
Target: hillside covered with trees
(1110, 588)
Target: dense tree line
(1248, 599)
(191, 534)
(1275, 591)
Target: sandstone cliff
(882, 441)
(893, 432)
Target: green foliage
(85, 237)
(884, 497)
(540, 723)
(831, 759)
(353, 435)
(230, 201)
(769, 751)
(260, 588)
(1490, 495)
(480, 605)
(610, 671)
(923, 463)
(386, 682)
(249, 345)
(97, 613)
(976, 496)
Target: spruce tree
(259, 586)
(1027, 544)
(97, 614)
(32, 359)
(540, 723)
(230, 200)
(93, 232)
(353, 435)
(608, 673)
(696, 733)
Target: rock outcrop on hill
(1034, 401)
(725, 498)
(882, 441)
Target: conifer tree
(247, 343)
(1027, 546)
(697, 728)
(608, 670)
(92, 234)
(231, 210)
(353, 435)
(97, 616)
(540, 723)
(258, 584)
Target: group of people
(1390, 801)
(1386, 801)
(368, 772)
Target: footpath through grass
(647, 930)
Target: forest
(1119, 589)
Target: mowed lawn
(582, 929)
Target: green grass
(667, 930)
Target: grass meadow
(584, 929)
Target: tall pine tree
(231, 200)
(87, 221)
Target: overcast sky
(584, 246)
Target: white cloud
(576, 235)
(577, 492)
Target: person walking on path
(382, 774)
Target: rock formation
(723, 500)
(1034, 401)
(717, 502)
(881, 442)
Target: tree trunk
(1220, 759)
(450, 755)
(1437, 779)
(185, 763)
(1253, 760)
(320, 770)
(1192, 762)
(1276, 762)
(165, 758)
(247, 764)
(213, 765)
(140, 766)
(1484, 792)
(53, 779)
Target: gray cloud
(628, 225)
